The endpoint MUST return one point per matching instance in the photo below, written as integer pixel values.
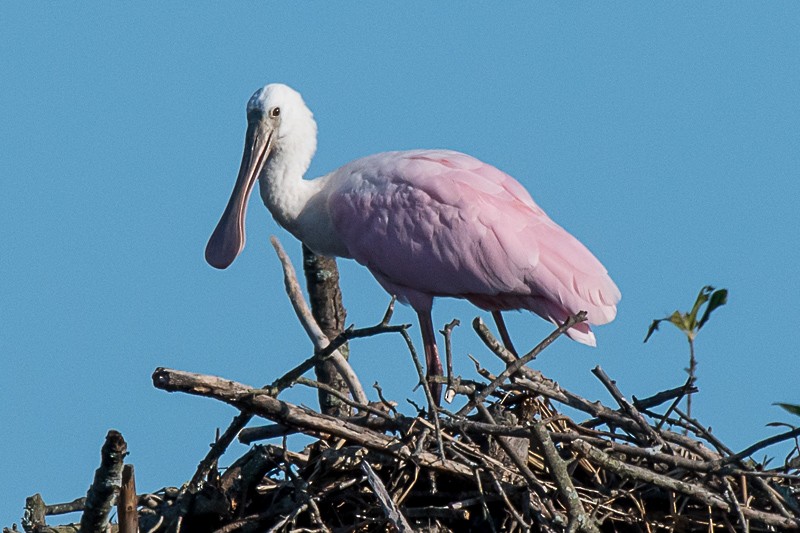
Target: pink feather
(433, 223)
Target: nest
(506, 460)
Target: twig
(391, 510)
(663, 396)
(271, 431)
(216, 451)
(432, 409)
(627, 407)
(514, 367)
(750, 450)
(313, 330)
(333, 392)
(387, 316)
(486, 514)
(690, 489)
(735, 503)
(536, 383)
(262, 404)
(519, 462)
(383, 400)
(762, 484)
(448, 513)
(507, 501)
(558, 468)
(350, 333)
(288, 518)
(69, 507)
(692, 372)
(655, 400)
(503, 330)
(687, 388)
(126, 506)
(675, 461)
(447, 332)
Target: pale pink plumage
(426, 223)
(433, 223)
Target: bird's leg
(501, 327)
(431, 354)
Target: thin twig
(698, 492)
(519, 462)
(390, 509)
(313, 330)
(447, 332)
(507, 501)
(750, 450)
(687, 388)
(389, 405)
(350, 333)
(333, 392)
(513, 367)
(557, 466)
(503, 330)
(649, 432)
(312, 423)
(432, 409)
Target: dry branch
(104, 488)
(558, 468)
(261, 404)
(128, 502)
(313, 330)
(325, 297)
(391, 510)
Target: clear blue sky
(664, 139)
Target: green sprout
(691, 326)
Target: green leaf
(677, 319)
(780, 425)
(653, 328)
(687, 322)
(718, 299)
(702, 298)
(681, 321)
(794, 409)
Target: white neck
(282, 187)
(300, 205)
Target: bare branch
(313, 330)
(104, 488)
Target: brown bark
(311, 423)
(107, 480)
(126, 506)
(322, 281)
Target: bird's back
(440, 223)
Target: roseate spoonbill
(426, 223)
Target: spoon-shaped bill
(228, 238)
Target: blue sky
(666, 139)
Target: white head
(281, 134)
(282, 108)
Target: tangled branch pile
(505, 461)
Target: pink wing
(441, 223)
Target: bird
(425, 223)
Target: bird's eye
(275, 112)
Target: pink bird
(426, 223)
